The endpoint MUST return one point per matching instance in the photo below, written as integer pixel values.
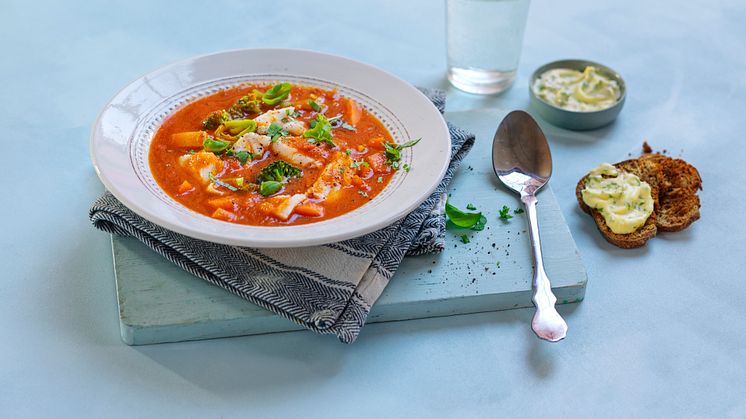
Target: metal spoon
(522, 161)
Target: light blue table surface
(661, 333)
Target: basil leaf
(216, 146)
(270, 187)
(408, 144)
(461, 219)
(276, 94)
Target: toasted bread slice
(647, 171)
(679, 203)
(674, 184)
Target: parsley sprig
(393, 152)
(505, 213)
(275, 131)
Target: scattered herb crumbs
(518, 211)
(504, 213)
(465, 239)
(348, 152)
(471, 207)
(405, 167)
(498, 263)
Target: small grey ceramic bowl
(577, 120)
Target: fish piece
(292, 154)
(332, 178)
(253, 143)
(201, 165)
(282, 206)
(281, 117)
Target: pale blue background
(662, 331)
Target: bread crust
(674, 184)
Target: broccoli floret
(246, 105)
(277, 171)
(214, 119)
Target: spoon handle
(547, 323)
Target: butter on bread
(674, 184)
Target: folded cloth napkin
(328, 289)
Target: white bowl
(121, 137)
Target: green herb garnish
(471, 207)
(315, 106)
(504, 213)
(359, 163)
(275, 131)
(243, 156)
(348, 152)
(380, 179)
(464, 239)
(518, 211)
(276, 94)
(461, 219)
(270, 187)
(221, 183)
(321, 131)
(393, 152)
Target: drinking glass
(484, 40)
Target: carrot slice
(224, 215)
(377, 162)
(353, 112)
(376, 143)
(188, 138)
(309, 210)
(185, 187)
(225, 203)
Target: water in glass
(484, 43)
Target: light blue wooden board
(158, 302)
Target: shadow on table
(292, 361)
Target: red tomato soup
(273, 155)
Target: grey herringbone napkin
(327, 289)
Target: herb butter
(575, 91)
(622, 198)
